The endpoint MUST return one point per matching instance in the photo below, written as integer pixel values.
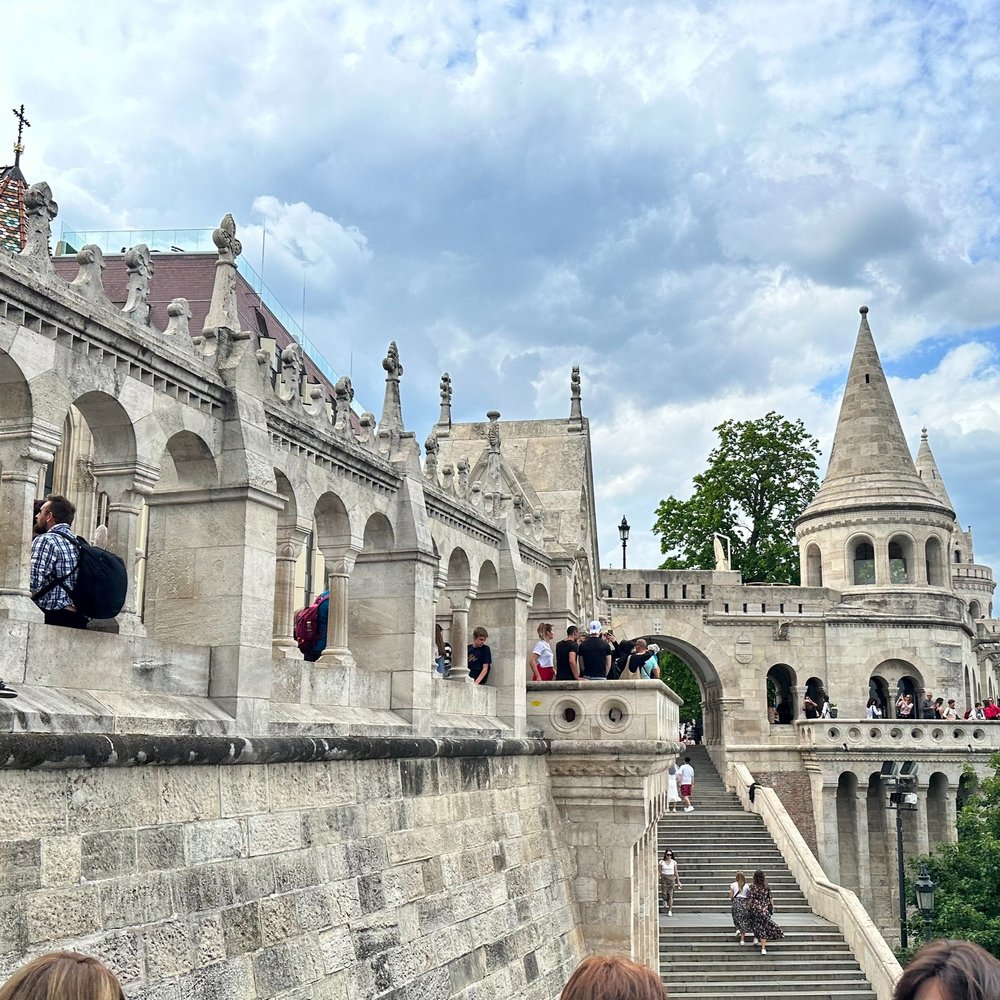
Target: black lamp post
(623, 530)
(925, 898)
(901, 781)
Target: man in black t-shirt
(594, 655)
(567, 668)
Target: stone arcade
(190, 799)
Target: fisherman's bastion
(186, 797)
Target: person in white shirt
(686, 779)
(670, 879)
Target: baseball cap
(594, 628)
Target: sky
(690, 201)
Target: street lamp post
(902, 784)
(623, 530)
(925, 898)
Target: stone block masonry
(340, 869)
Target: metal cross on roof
(22, 124)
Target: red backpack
(306, 627)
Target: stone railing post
(337, 651)
(289, 548)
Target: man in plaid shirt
(54, 559)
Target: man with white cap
(594, 655)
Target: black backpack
(101, 582)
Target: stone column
(289, 548)
(337, 651)
(22, 460)
(824, 800)
(460, 638)
(863, 847)
(919, 819)
(951, 815)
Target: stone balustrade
(603, 710)
(899, 735)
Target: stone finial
(343, 392)
(575, 407)
(292, 370)
(366, 433)
(40, 209)
(463, 476)
(178, 317)
(448, 478)
(89, 282)
(431, 449)
(390, 427)
(139, 263)
(493, 450)
(445, 386)
(222, 312)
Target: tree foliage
(677, 675)
(967, 874)
(758, 479)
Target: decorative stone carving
(394, 441)
(222, 313)
(431, 449)
(178, 317)
(493, 450)
(139, 263)
(744, 648)
(292, 370)
(575, 407)
(448, 478)
(366, 433)
(344, 394)
(463, 476)
(781, 629)
(445, 418)
(89, 282)
(40, 208)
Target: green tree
(759, 478)
(967, 874)
(677, 675)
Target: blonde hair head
(62, 975)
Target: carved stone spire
(139, 263)
(222, 313)
(444, 419)
(344, 394)
(89, 282)
(40, 209)
(575, 407)
(431, 449)
(928, 471)
(870, 462)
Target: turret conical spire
(928, 471)
(870, 462)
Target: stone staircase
(700, 956)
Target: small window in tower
(864, 563)
(868, 378)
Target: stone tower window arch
(934, 558)
(862, 558)
(900, 553)
(780, 690)
(814, 566)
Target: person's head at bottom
(949, 970)
(62, 975)
(611, 977)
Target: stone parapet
(604, 710)
(892, 737)
(837, 904)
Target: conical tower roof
(928, 471)
(870, 463)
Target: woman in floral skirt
(760, 906)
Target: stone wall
(403, 868)
(794, 790)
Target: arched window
(814, 567)
(864, 562)
(878, 688)
(934, 555)
(958, 556)
(898, 561)
(781, 693)
(975, 610)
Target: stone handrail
(837, 904)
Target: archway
(814, 566)
(878, 688)
(939, 821)
(934, 558)
(781, 685)
(816, 691)
(378, 621)
(848, 834)
(862, 560)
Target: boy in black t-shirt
(566, 665)
(480, 657)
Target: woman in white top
(673, 792)
(670, 879)
(542, 663)
(738, 890)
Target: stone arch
(899, 549)
(934, 560)
(379, 536)
(814, 566)
(333, 526)
(939, 820)
(187, 463)
(459, 575)
(878, 688)
(968, 783)
(861, 559)
(110, 425)
(815, 689)
(700, 654)
(975, 609)
(848, 835)
(780, 691)
(489, 580)
(540, 598)
(15, 394)
(901, 677)
(293, 557)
